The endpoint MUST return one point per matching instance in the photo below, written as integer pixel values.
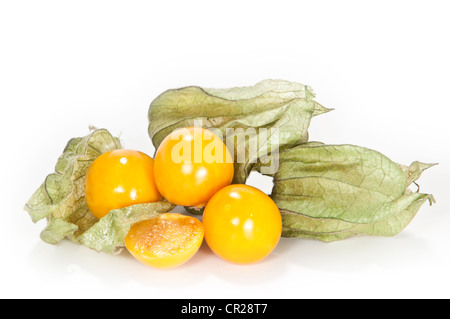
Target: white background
(382, 65)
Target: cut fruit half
(166, 241)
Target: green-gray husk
(60, 199)
(332, 192)
(269, 106)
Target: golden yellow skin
(191, 165)
(166, 241)
(242, 224)
(118, 179)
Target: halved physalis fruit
(166, 241)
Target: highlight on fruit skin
(166, 241)
(242, 224)
(118, 179)
(191, 165)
